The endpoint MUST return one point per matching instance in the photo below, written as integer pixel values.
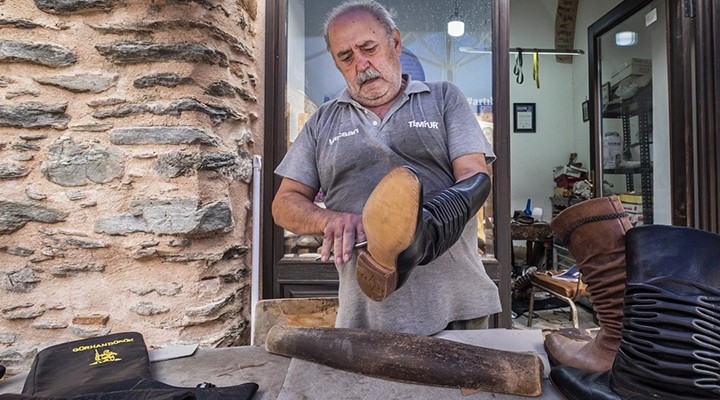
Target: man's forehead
(361, 24)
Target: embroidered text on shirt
(343, 134)
(423, 124)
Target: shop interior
(551, 131)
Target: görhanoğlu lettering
(99, 345)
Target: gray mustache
(370, 73)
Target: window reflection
(635, 118)
(429, 54)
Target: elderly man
(382, 121)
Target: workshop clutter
(612, 150)
(635, 67)
(633, 205)
(571, 179)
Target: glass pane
(635, 124)
(429, 54)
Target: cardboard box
(569, 170)
(633, 208)
(636, 66)
(630, 198)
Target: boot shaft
(444, 217)
(594, 230)
(404, 231)
(671, 330)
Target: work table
(286, 378)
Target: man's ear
(397, 41)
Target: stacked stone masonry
(127, 130)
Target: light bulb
(625, 38)
(456, 28)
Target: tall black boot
(670, 347)
(403, 231)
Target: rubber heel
(374, 280)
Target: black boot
(403, 231)
(670, 347)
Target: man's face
(368, 60)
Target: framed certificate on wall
(524, 117)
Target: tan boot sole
(389, 220)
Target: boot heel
(390, 219)
(375, 281)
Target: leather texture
(576, 384)
(404, 231)
(671, 337)
(595, 232)
(444, 217)
(390, 218)
(559, 286)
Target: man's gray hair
(370, 6)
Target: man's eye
(370, 49)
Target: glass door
(631, 121)
(301, 75)
(433, 49)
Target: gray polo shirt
(344, 150)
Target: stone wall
(127, 130)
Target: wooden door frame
(682, 168)
(275, 148)
(501, 171)
(702, 21)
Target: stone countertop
(287, 378)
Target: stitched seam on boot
(587, 220)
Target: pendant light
(625, 38)
(456, 27)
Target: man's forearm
(299, 215)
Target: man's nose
(361, 63)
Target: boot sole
(390, 221)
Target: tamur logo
(343, 134)
(423, 124)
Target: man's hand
(293, 209)
(340, 234)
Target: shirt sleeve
(465, 135)
(300, 161)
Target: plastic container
(612, 149)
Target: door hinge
(689, 8)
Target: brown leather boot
(594, 232)
(670, 333)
